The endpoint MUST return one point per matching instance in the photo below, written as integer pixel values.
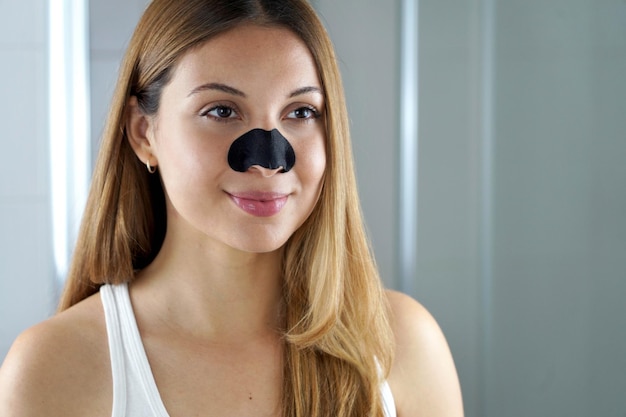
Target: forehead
(250, 54)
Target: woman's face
(248, 78)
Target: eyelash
(315, 113)
(230, 109)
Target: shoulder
(59, 367)
(423, 377)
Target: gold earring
(151, 169)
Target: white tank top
(135, 392)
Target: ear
(139, 131)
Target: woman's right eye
(220, 112)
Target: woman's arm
(423, 377)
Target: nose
(265, 149)
(265, 172)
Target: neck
(212, 292)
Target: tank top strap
(389, 405)
(116, 350)
(134, 389)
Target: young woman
(222, 268)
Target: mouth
(259, 204)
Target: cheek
(191, 163)
(312, 158)
(191, 150)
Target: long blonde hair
(337, 336)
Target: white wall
(111, 25)
(26, 263)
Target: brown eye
(303, 113)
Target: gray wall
(366, 37)
(559, 225)
(448, 280)
(26, 263)
(522, 192)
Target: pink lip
(260, 204)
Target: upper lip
(258, 195)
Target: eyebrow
(305, 90)
(217, 87)
(235, 92)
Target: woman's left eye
(303, 113)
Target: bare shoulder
(423, 377)
(59, 367)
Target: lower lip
(266, 208)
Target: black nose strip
(268, 149)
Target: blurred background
(490, 141)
